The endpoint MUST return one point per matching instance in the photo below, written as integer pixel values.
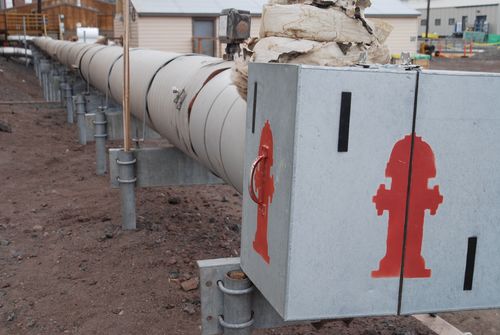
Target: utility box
(371, 191)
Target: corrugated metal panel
(118, 26)
(134, 38)
(172, 34)
(403, 37)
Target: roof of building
(214, 7)
(421, 4)
(390, 8)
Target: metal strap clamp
(228, 291)
(235, 325)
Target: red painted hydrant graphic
(394, 201)
(264, 190)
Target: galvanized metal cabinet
(324, 237)
(458, 115)
(347, 214)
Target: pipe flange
(235, 325)
(228, 291)
(100, 122)
(101, 135)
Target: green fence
(476, 36)
(492, 38)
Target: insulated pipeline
(14, 52)
(188, 99)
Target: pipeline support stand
(126, 178)
(68, 94)
(80, 119)
(237, 318)
(100, 136)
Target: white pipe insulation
(14, 52)
(188, 99)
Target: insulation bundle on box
(324, 32)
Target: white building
(191, 26)
(449, 16)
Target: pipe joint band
(101, 135)
(228, 291)
(100, 122)
(126, 181)
(132, 162)
(235, 325)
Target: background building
(449, 16)
(188, 26)
(66, 13)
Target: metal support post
(36, 62)
(215, 301)
(100, 136)
(56, 79)
(126, 177)
(49, 82)
(51, 79)
(62, 92)
(92, 101)
(62, 87)
(68, 95)
(237, 318)
(44, 74)
(80, 119)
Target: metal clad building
(449, 16)
(191, 26)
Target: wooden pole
(44, 18)
(126, 78)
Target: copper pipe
(126, 78)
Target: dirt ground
(66, 267)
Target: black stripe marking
(470, 263)
(408, 192)
(254, 110)
(345, 117)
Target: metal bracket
(114, 126)
(212, 272)
(163, 166)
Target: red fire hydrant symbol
(262, 195)
(395, 200)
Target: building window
(437, 22)
(451, 22)
(423, 22)
(204, 36)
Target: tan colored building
(191, 26)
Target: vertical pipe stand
(68, 95)
(100, 136)
(62, 88)
(237, 318)
(44, 74)
(80, 119)
(126, 178)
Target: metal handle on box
(251, 189)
